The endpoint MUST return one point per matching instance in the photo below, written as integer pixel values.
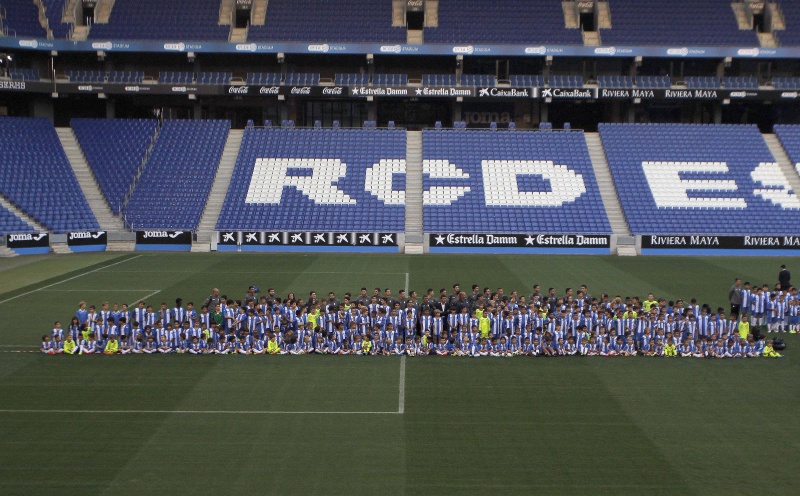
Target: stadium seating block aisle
(172, 191)
(114, 149)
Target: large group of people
(476, 324)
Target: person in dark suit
(784, 278)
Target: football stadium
(399, 247)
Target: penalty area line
(70, 279)
(199, 412)
(401, 402)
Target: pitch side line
(401, 403)
(200, 412)
(69, 279)
(94, 290)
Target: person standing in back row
(735, 297)
(784, 278)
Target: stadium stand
(214, 77)
(159, 20)
(507, 192)
(439, 80)
(390, 79)
(351, 79)
(698, 179)
(22, 18)
(559, 81)
(653, 82)
(615, 81)
(678, 22)
(790, 140)
(791, 13)
(702, 82)
(302, 79)
(525, 81)
(114, 150)
(24, 74)
(337, 21)
(264, 78)
(478, 80)
(509, 21)
(786, 83)
(743, 83)
(124, 77)
(327, 170)
(172, 77)
(37, 177)
(10, 223)
(173, 188)
(54, 10)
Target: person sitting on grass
(100, 344)
(112, 346)
(769, 351)
(670, 350)
(86, 346)
(47, 345)
(273, 348)
(70, 346)
(164, 347)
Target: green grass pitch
(251, 424)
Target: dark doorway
(587, 21)
(415, 20)
(415, 115)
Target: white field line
(94, 290)
(201, 412)
(189, 271)
(144, 298)
(401, 408)
(69, 279)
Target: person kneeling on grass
(769, 351)
(112, 346)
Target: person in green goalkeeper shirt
(649, 302)
(670, 350)
(484, 325)
(769, 351)
(744, 327)
(112, 347)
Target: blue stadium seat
(37, 177)
(737, 154)
(254, 203)
(172, 190)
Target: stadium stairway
(570, 15)
(413, 222)
(205, 229)
(103, 11)
(22, 215)
(619, 226)
(783, 160)
(91, 190)
(432, 14)
(398, 13)
(259, 12)
(7, 252)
